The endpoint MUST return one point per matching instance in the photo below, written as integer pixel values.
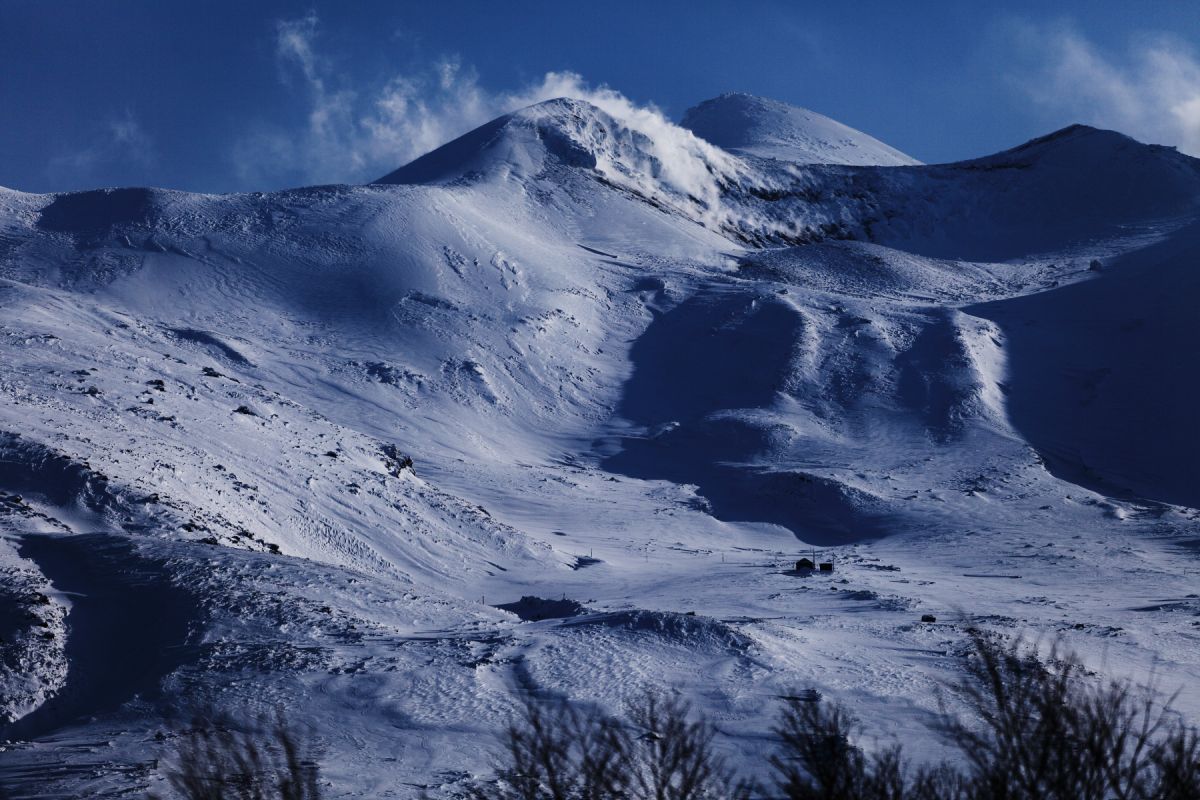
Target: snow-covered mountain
(759, 126)
(633, 365)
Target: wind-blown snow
(637, 376)
(636, 149)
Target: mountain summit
(645, 155)
(758, 126)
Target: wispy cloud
(120, 140)
(1151, 91)
(352, 136)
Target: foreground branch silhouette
(1040, 729)
(557, 752)
(218, 760)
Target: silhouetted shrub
(818, 760)
(1049, 732)
(558, 752)
(218, 760)
(1040, 730)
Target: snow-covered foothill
(556, 407)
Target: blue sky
(229, 96)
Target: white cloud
(352, 136)
(119, 140)
(1151, 93)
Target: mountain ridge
(593, 358)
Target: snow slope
(632, 370)
(759, 126)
